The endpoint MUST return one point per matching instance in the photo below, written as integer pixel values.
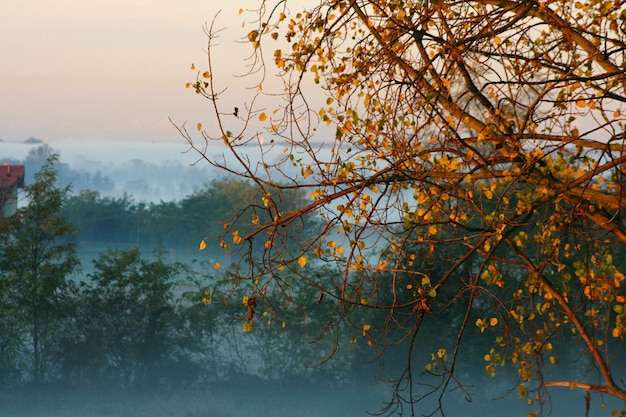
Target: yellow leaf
(480, 323)
(202, 245)
(193, 67)
(302, 261)
(206, 74)
(581, 103)
(262, 117)
(253, 35)
(217, 265)
(240, 10)
(493, 321)
(199, 127)
(247, 326)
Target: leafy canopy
(463, 156)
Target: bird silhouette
(236, 112)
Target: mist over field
(140, 210)
(147, 171)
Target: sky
(108, 69)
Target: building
(11, 178)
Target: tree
(128, 322)
(36, 261)
(492, 127)
(103, 219)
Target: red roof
(11, 175)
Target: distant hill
(32, 140)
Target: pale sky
(107, 69)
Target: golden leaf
(302, 261)
(253, 35)
(202, 245)
(262, 117)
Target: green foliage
(126, 321)
(179, 225)
(35, 263)
(102, 219)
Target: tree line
(178, 225)
(135, 320)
